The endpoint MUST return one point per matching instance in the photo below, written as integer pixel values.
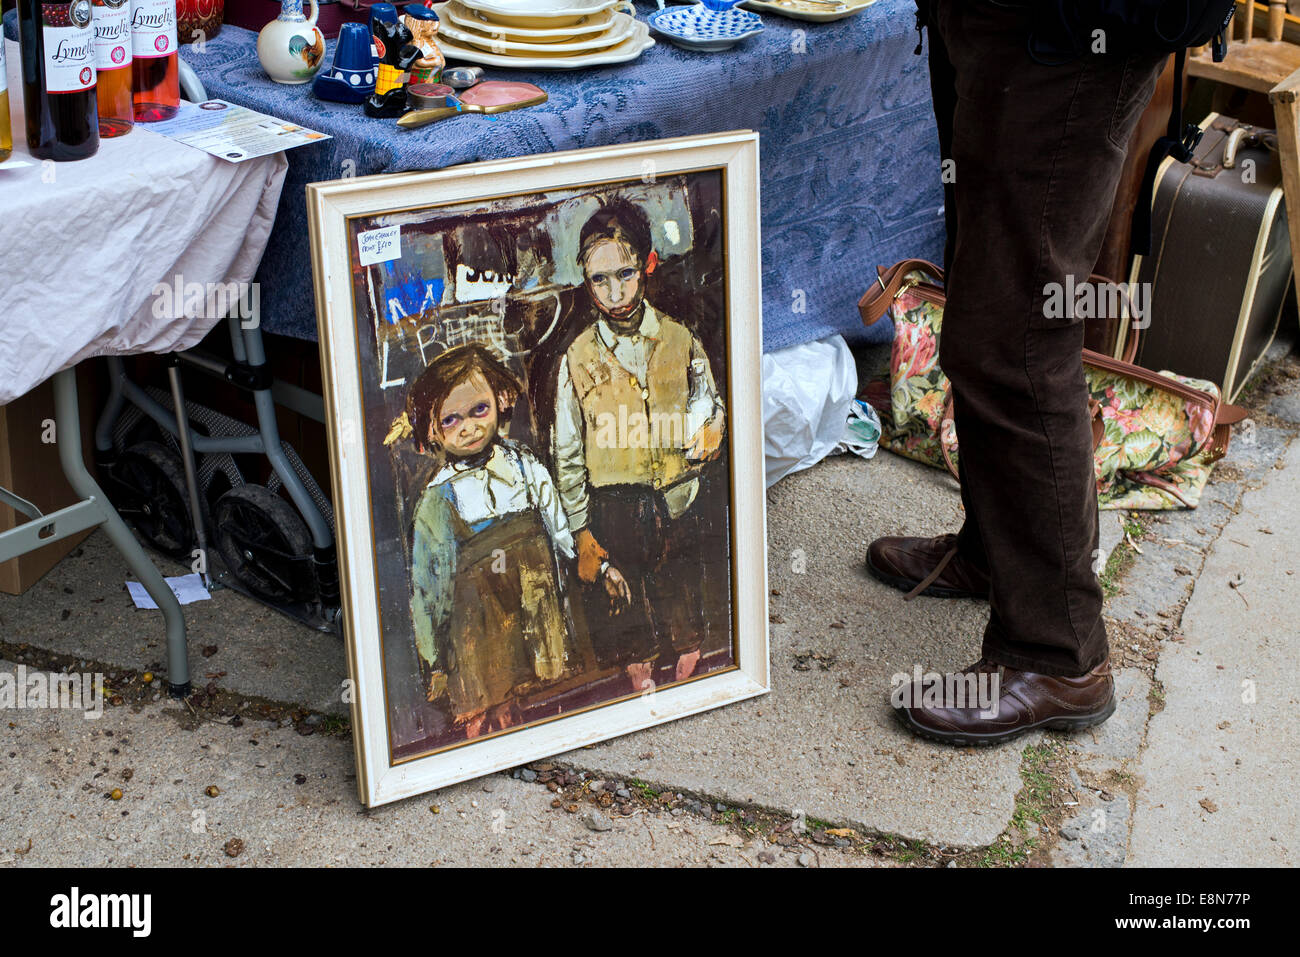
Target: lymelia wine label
(112, 34)
(4, 73)
(69, 46)
(153, 28)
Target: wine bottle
(112, 24)
(155, 67)
(6, 136)
(58, 49)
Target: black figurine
(389, 98)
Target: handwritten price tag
(379, 245)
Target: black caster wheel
(264, 544)
(147, 486)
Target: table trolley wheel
(264, 543)
(147, 486)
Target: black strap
(1180, 142)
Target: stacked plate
(540, 34)
(818, 11)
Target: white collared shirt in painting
(633, 353)
(511, 480)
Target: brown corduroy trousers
(1036, 153)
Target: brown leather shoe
(926, 566)
(1025, 701)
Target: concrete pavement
(814, 774)
(1221, 768)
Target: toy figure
(423, 24)
(396, 54)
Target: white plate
(629, 49)
(540, 13)
(457, 14)
(622, 28)
(801, 10)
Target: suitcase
(1220, 267)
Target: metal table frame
(93, 510)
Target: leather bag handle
(875, 302)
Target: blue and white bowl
(699, 28)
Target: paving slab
(291, 800)
(1221, 766)
(260, 651)
(1286, 407)
(1096, 835)
(825, 741)
(1173, 551)
(1114, 746)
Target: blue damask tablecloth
(848, 151)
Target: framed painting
(542, 382)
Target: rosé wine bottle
(112, 22)
(155, 68)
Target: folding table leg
(187, 458)
(68, 426)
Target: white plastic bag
(807, 392)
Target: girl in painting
(486, 599)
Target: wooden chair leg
(1285, 98)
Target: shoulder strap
(876, 300)
(1134, 327)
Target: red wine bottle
(155, 66)
(112, 24)
(58, 47)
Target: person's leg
(907, 562)
(1037, 152)
(943, 87)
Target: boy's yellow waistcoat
(605, 388)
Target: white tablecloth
(83, 246)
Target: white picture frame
(333, 210)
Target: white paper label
(4, 73)
(379, 245)
(153, 28)
(112, 34)
(69, 46)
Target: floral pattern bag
(1156, 435)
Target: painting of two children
(579, 560)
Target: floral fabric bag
(1156, 435)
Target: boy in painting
(637, 415)
(486, 600)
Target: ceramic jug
(291, 48)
